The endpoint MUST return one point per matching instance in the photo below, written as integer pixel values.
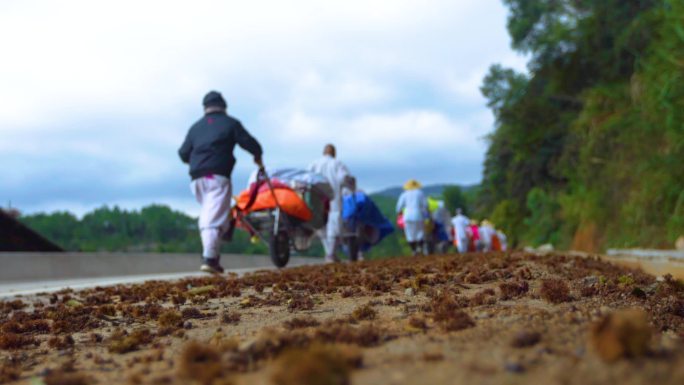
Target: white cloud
(382, 138)
(112, 86)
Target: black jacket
(208, 147)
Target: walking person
(339, 177)
(474, 243)
(487, 234)
(460, 223)
(208, 149)
(414, 206)
(502, 240)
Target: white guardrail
(647, 253)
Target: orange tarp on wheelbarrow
(496, 243)
(291, 203)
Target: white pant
(213, 193)
(330, 235)
(414, 231)
(462, 244)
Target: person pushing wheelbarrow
(208, 149)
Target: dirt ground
(459, 319)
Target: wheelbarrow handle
(267, 179)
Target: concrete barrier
(646, 253)
(27, 267)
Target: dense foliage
(158, 228)
(155, 228)
(589, 145)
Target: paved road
(31, 273)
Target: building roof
(15, 236)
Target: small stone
(525, 339)
(637, 292)
(187, 325)
(514, 367)
(482, 315)
(409, 292)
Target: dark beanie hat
(214, 99)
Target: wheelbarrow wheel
(353, 247)
(279, 246)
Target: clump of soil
(300, 323)
(9, 373)
(122, 343)
(483, 297)
(555, 291)
(11, 341)
(364, 335)
(446, 311)
(622, 334)
(230, 318)
(300, 302)
(66, 378)
(510, 290)
(525, 339)
(170, 319)
(28, 326)
(364, 312)
(443, 306)
(417, 322)
(105, 310)
(458, 320)
(191, 313)
(200, 362)
(433, 356)
(16, 304)
(316, 365)
(61, 343)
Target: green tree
(592, 136)
(454, 198)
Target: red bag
(400, 221)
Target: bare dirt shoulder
(460, 319)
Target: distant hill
(432, 190)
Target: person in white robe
(460, 223)
(413, 205)
(486, 233)
(339, 177)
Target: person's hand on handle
(259, 162)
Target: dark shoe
(212, 266)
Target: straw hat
(412, 185)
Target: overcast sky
(97, 96)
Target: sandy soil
(480, 318)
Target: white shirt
(335, 172)
(415, 203)
(460, 223)
(486, 233)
